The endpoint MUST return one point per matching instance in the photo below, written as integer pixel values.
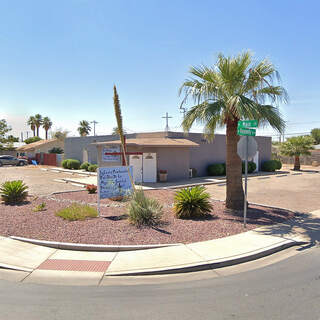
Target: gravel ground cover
(114, 229)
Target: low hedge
(93, 168)
(251, 166)
(85, 166)
(216, 169)
(71, 164)
(278, 163)
(269, 166)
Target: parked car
(10, 160)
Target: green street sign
(246, 132)
(248, 124)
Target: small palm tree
(46, 124)
(115, 131)
(295, 147)
(84, 128)
(32, 123)
(234, 89)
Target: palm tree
(115, 131)
(46, 124)
(84, 128)
(38, 122)
(235, 88)
(32, 123)
(297, 146)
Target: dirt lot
(39, 182)
(299, 191)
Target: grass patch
(40, 207)
(77, 211)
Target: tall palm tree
(38, 122)
(235, 88)
(32, 123)
(84, 128)
(46, 124)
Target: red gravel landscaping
(114, 229)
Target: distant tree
(115, 131)
(32, 140)
(12, 139)
(84, 128)
(46, 124)
(59, 134)
(32, 123)
(4, 129)
(296, 147)
(315, 134)
(38, 122)
(57, 150)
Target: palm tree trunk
(37, 131)
(296, 163)
(46, 134)
(235, 195)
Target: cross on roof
(167, 122)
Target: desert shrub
(32, 140)
(13, 192)
(91, 188)
(278, 164)
(73, 164)
(269, 166)
(192, 203)
(56, 150)
(251, 166)
(216, 169)
(77, 212)
(85, 166)
(39, 207)
(64, 163)
(143, 210)
(93, 168)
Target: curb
(208, 265)
(11, 267)
(91, 247)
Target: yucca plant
(13, 192)
(143, 210)
(192, 203)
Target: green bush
(269, 166)
(216, 169)
(93, 168)
(13, 192)
(64, 163)
(32, 140)
(251, 166)
(73, 164)
(56, 150)
(77, 211)
(192, 203)
(143, 210)
(278, 164)
(85, 166)
(40, 207)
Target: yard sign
(113, 182)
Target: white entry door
(136, 162)
(149, 167)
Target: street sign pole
(245, 186)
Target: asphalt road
(289, 289)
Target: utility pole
(167, 122)
(21, 136)
(94, 126)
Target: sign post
(245, 129)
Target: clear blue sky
(61, 58)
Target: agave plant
(143, 210)
(13, 192)
(192, 203)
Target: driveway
(299, 191)
(40, 182)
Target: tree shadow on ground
(305, 225)
(116, 218)
(261, 217)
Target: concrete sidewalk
(39, 264)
